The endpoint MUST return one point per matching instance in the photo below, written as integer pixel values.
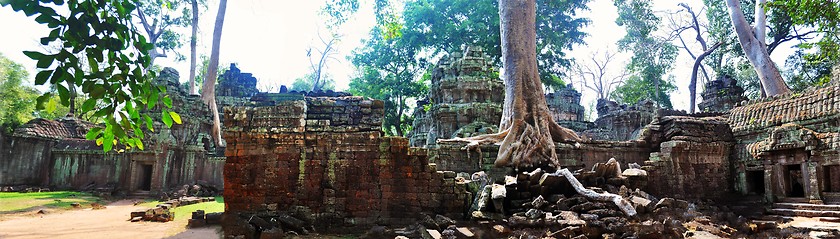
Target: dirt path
(111, 222)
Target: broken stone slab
(434, 234)
(641, 204)
(610, 169)
(634, 172)
(539, 202)
(443, 221)
(498, 191)
(534, 214)
(214, 218)
(273, 233)
(463, 232)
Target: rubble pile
(200, 218)
(163, 211)
(199, 189)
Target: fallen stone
(193, 223)
(214, 218)
(463, 232)
(500, 231)
(534, 213)
(634, 172)
(76, 205)
(498, 191)
(539, 202)
(434, 233)
(443, 221)
(273, 233)
(665, 202)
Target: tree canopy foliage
(17, 99)
(119, 87)
(653, 56)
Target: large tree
(208, 90)
(17, 100)
(528, 131)
(157, 19)
(754, 46)
(653, 56)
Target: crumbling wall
(326, 154)
(693, 161)
(721, 95)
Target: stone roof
(811, 105)
(54, 129)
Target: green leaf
(45, 61)
(153, 99)
(149, 122)
(63, 93)
(167, 118)
(89, 105)
(167, 102)
(175, 117)
(34, 55)
(108, 138)
(140, 144)
(93, 133)
(42, 100)
(52, 104)
(42, 77)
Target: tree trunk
(193, 40)
(692, 86)
(771, 80)
(530, 129)
(208, 90)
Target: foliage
(810, 69)
(158, 17)
(637, 88)
(17, 99)
(201, 72)
(305, 83)
(118, 57)
(652, 56)
(11, 202)
(445, 26)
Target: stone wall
(326, 154)
(693, 160)
(54, 152)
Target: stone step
(807, 206)
(804, 213)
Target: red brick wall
(326, 154)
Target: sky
(269, 39)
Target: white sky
(269, 38)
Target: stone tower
(465, 99)
(721, 95)
(566, 110)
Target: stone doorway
(755, 182)
(831, 178)
(144, 177)
(794, 181)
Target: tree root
(622, 204)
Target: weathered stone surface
(721, 95)
(465, 99)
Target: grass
(12, 202)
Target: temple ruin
(304, 161)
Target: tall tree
(17, 100)
(686, 19)
(322, 57)
(208, 90)
(754, 47)
(389, 71)
(528, 131)
(597, 74)
(652, 56)
(158, 17)
(193, 43)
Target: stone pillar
(768, 183)
(812, 179)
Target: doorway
(794, 181)
(831, 178)
(755, 182)
(145, 181)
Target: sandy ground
(111, 222)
